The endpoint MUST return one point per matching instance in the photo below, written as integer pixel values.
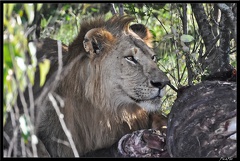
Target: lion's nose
(159, 84)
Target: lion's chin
(150, 105)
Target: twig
(213, 44)
(188, 60)
(231, 18)
(120, 6)
(113, 10)
(60, 63)
(62, 122)
(51, 85)
(30, 30)
(174, 88)
(194, 29)
(32, 117)
(54, 103)
(23, 148)
(160, 23)
(184, 18)
(24, 103)
(203, 24)
(181, 77)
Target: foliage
(179, 48)
(15, 45)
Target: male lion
(108, 92)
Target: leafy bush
(178, 43)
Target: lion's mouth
(158, 96)
(145, 100)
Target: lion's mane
(96, 116)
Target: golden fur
(108, 92)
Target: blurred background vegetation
(183, 50)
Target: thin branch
(188, 60)
(23, 148)
(54, 103)
(230, 18)
(51, 85)
(32, 117)
(177, 61)
(182, 73)
(184, 18)
(121, 9)
(113, 10)
(60, 62)
(215, 20)
(160, 23)
(203, 24)
(32, 28)
(62, 122)
(213, 43)
(224, 46)
(174, 88)
(233, 51)
(194, 29)
(24, 104)
(174, 78)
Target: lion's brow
(141, 45)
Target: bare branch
(51, 85)
(24, 108)
(121, 9)
(60, 63)
(188, 60)
(215, 19)
(113, 10)
(184, 18)
(230, 18)
(160, 23)
(224, 47)
(203, 24)
(54, 103)
(66, 131)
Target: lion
(110, 90)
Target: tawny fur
(96, 111)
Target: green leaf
(4, 10)
(6, 55)
(94, 10)
(44, 68)
(25, 128)
(185, 49)
(186, 38)
(167, 36)
(67, 18)
(5, 73)
(45, 22)
(32, 51)
(10, 8)
(174, 31)
(30, 73)
(39, 6)
(153, 33)
(29, 8)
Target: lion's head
(122, 66)
(111, 88)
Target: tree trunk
(202, 122)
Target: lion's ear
(143, 32)
(97, 40)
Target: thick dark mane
(116, 25)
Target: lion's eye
(131, 59)
(154, 58)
